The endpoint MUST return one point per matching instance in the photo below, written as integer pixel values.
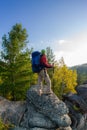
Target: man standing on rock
(43, 75)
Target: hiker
(43, 75)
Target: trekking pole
(53, 78)
(53, 68)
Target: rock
(32, 118)
(45, 112)
(66, 128)
(50, 106)
(82, 91)
(40, 129)
(11, 111)
(18, 128)
(77, 104)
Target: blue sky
(60, 24)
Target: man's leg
(47, 80)
(40, 80)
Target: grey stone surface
(40, 129)
(32, 118)
(50, 106)
(65, 128)
(18, 128)
(11, 111)
(77, 104)
(38, 112)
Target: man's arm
(45, 62)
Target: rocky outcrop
(11, 111)
(77, 104)
(38, 112)
(46, 111)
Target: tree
(50, 55)
(65, 80)
(16, 77)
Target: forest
(16, 75)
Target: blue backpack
(36, 67)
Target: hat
(42, 51)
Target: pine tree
(16, 77)
(50, 55)
(51, 60)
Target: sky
(58, 24)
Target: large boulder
(38, 112)
(82, 91)
(77, 104)
(11, 111)
(46, 110)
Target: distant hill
(80, 68)
(81, 73)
